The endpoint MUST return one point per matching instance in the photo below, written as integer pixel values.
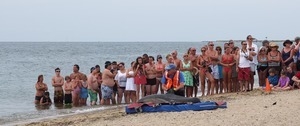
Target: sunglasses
(203, 50)
(244, 44)
(185, 56)
(57, 71)
(211, 45)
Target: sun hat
(273, 44)
(287, 41)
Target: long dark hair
(137, 62)
(39, 77)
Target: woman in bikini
(159, 68)
(40, 87)
(227, 61)
(139, 77)
(287, 54)
(193, 58)
(205, 72)
(262, 67)
(219, 83)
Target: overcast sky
(147, 20)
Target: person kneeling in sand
(173, 80)
(283, 83)
(273, 78)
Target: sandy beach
(247, 108)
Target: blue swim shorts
(106, 92)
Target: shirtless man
(75, 72)
(177, 61)
(99, 81)
(40, 87)
(151, 76)
(159, 69)
(57, 83)
(193, 58)
(107, 83)
(93, 86)
(211, 52)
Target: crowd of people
(213, 70)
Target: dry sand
(248, 108)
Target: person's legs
(211, 83)
(138, 88)
(153, 89)
(229, 88)
(202, 81)
(225, 81)
(143, 90)
(120, 95)
(148, 89)
(217, 85)
(221, 85)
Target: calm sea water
(21, 63)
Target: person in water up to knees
(57, 83)
(173, 80)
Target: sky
(147, 20)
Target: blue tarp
(177, 108)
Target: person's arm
(291, 56)
(295, 79)
(237, 62)
(41, 101)
(297, 48)
(287, 83)
(53, 82)
(181, 80)
(181, 68)
(163, 82)
(109, 74)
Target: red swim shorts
(244, 74)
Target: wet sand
(247, 108)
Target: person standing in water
(57, 83)
(160, 69)
(40, 87)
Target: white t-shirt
(255, 50)
(121, 78)
(243, 62)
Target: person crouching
(173, 80)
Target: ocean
(22, 62)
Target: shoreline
(244, 108)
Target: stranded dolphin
(168, 99)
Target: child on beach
(215, 73)
(45, 100)
(283, 83)
(83, 91)
(68, 90)
(290, 73)
(273, 78)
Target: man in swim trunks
(99, 81)
(107, 83)
(93, 86)
(151, 76)
(57, 83)
(173, 80)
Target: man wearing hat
(297, 52)
(173, 80)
